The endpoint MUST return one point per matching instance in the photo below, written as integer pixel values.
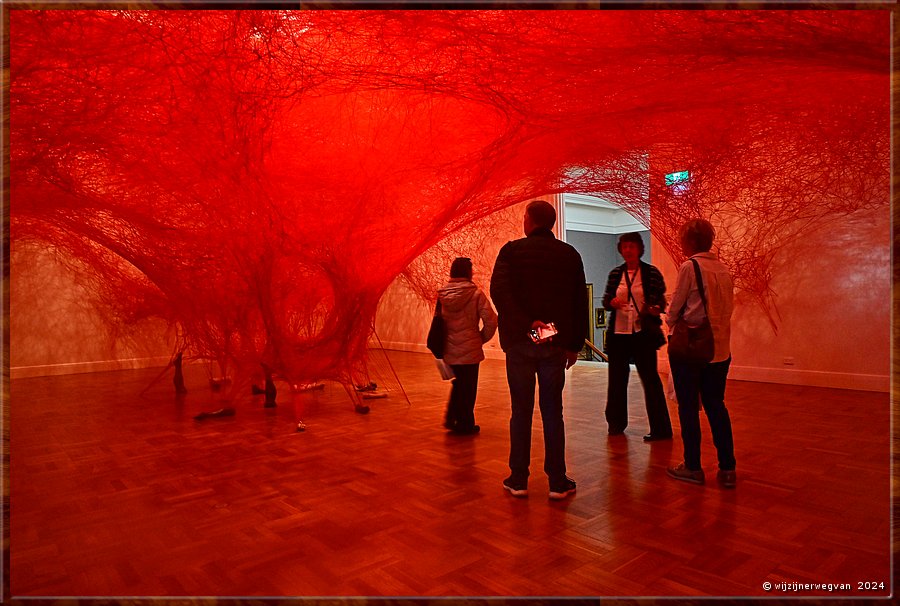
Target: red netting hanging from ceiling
(258, 178)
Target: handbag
(693, 345)
(437, 334)
(651, 326)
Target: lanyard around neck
(628, 284)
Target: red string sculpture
(259, 178)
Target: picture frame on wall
(600, 320)
(586, 353)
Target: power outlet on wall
(788, 361)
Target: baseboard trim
(810, 378)
(71, 368)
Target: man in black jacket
(539, 280)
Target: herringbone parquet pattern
(119, 495)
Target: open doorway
(593, 226)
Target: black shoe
(516, 489)
(562, 488)
(727, 478)
(466, 431)
(652, 437)
(615, 431)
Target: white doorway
(593, 225)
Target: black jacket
(654, 292)
(540, 278)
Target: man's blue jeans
(547, 364)
(703, 383)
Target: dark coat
(540, 278)
(654, 294)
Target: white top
(627, 318)
(719, 291)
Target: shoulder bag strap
(700, 285)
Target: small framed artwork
(601, 317)
(586, 353)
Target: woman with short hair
(703, 381)
(470, 322)
(635, 292)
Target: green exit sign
(679, 177)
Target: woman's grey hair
(699, 233)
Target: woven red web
(259, 178)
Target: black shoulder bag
(437, 334)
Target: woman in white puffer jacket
(464, 308)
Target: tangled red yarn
(259, 178)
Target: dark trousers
(621, 350)
(547, 364)
(461, 407)
(703, 383)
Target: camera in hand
(542, 334)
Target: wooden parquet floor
(116, 494)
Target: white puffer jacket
(464, 306)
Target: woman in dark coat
(635, 293)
